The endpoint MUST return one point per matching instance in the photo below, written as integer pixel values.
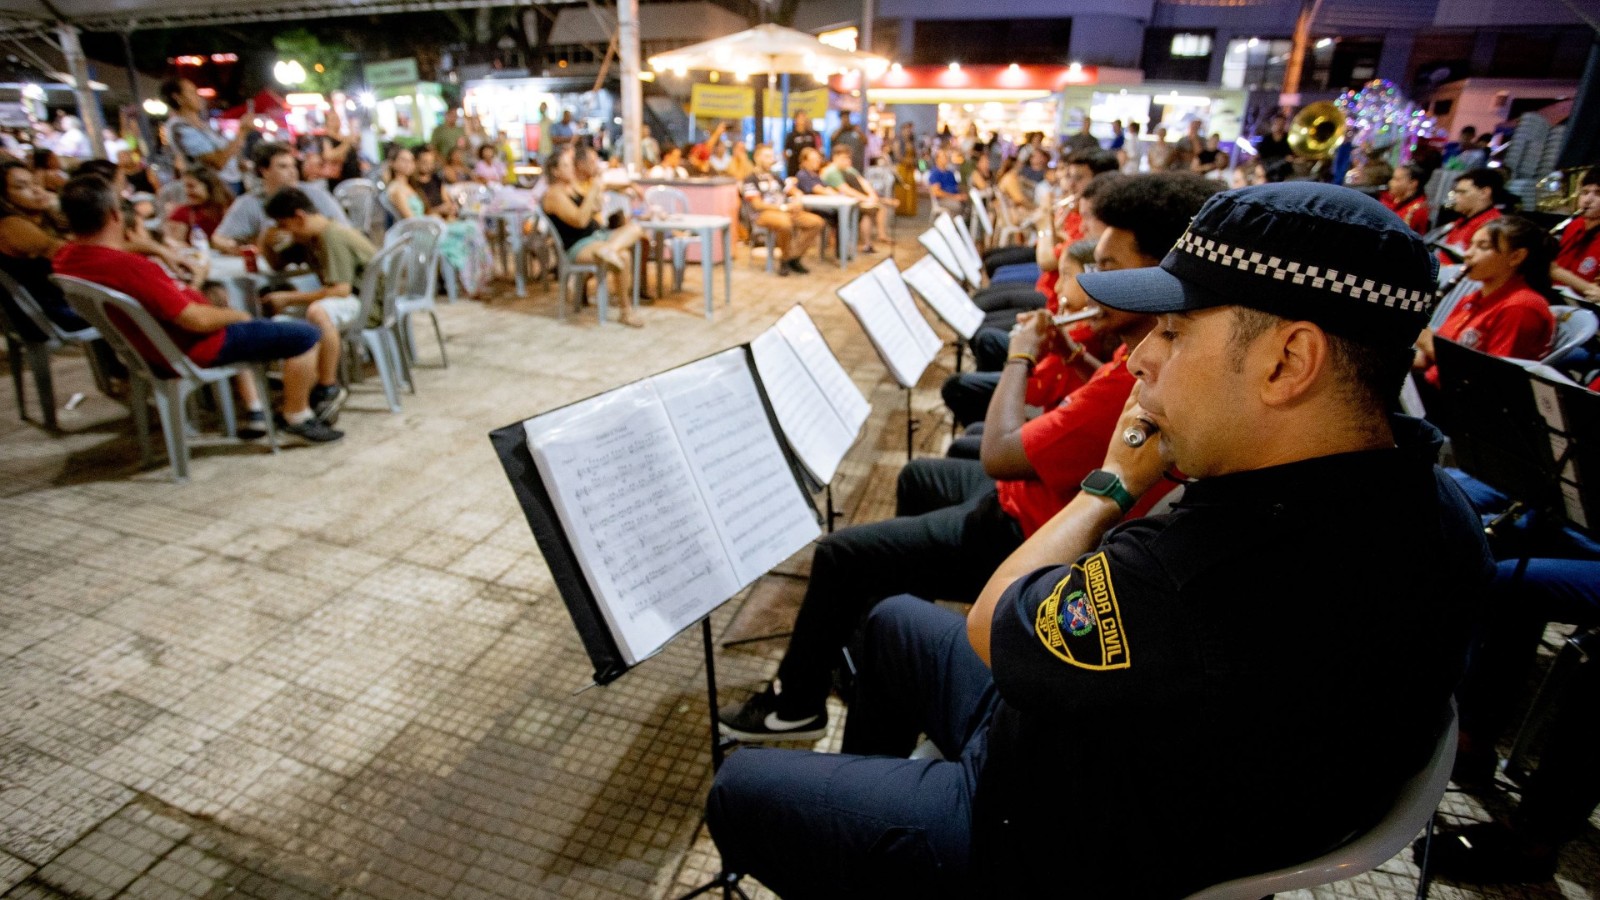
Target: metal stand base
(727, 881)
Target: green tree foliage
(310, 51)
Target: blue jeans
(868, 822)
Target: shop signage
(813, 103)
(391, 72)
(721, 101)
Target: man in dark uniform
(1229, 688)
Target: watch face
(1099, 481)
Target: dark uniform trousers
(868, 822)
(948, 537)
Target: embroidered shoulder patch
(1080, 622)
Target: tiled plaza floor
(343, 672)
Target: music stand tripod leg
(911, 427)
(727, 881)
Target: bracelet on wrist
(1023, 357)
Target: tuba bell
(1316, 130)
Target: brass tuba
(1316, 130)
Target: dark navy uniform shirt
(1231, 687)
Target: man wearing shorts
(208, 335)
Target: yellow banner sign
(721, 101)
(813, 103)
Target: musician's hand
(1029, 335)
(1140, 468)
(1592, 292)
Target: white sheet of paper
(757, 508)
(940, 248)
(803, 336)
(817, 434)
(947, 298)
(894, 287)
(628, 499)
(962, 247)
(884, 327)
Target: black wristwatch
(1104, 484)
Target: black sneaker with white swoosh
(761, 718)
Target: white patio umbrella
(768, 49)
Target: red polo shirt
(1413, 212)
(1514, 321)
(1461, 231)
(1580, 250)
(1067, 443)
(147, 283)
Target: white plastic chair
(169, 390)
(416, 293)
(982, 225)
(1012, 223)
(673, 202)
(1411, 813)
(567, 269)
(359, 199)
(36, 354)
(380, 283)
(1574, 328)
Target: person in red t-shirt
(1405, 197)
(1474, 197)
(1509, 315)
(1577, 262)
(207, 334)
(957, 519)
(208, 201)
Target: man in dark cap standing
(1228, 688)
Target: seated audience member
(982, 177)
(139, 238)
(47, 170)
(208, 334)
(1096, 695)
(1405, 197)
(575, 213)
(1475, 198)
(1577, 264)
(339, 255)
(1509, 315)
(671, 167)
(944, 188)
(429, 185)
(809, 176)
(246, 220)
(30, 234)
(770, 204)
(208, 201)
(842, 177)
(463, 244)
(136, 173)
(455, 169)
(490, 168)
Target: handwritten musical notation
(814, 428)
(674, 494)
(945, 296)
(803, 336)
(940, 248)
(966, 255)
(894, 287)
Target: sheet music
(817, 434)
(757, 508)
(969, 246)
(945, 296)
(967, 257)
(894, 287)
(940, 248)
(885, 328)
(801, 332)
(628, 500)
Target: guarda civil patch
(1080, 622)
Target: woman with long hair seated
(1509, 315)
(575, 212)
(463, 245)
(207, 202)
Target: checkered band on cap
(1294, 272)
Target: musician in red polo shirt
(1405, 197)
(1509, 315)
(1474, 196)
(1578, 260)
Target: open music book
(819, 408)
(961, 245)
(945, 296)
(884, 307)
(673, 494)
